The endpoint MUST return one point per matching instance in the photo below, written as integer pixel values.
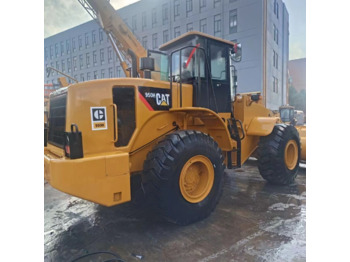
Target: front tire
(279, 155)
(184, 173)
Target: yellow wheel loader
(177, 121)
(290, 116)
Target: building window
(88, 76)
(232, 1)
(94, 57)
(188, 7)
(217, 25)
(217, 3)
(80, 42)
(87, 60)
(118, 71)
(134, 24)
(154, 17)
(81, 62)
(86, 40)
(93, 37)
(102, 73)
(110, 72)
(144, 42)
(62, 48)
(52, 71)
(46, 54)
(202, 4)
(154, 41)
(176, 9)
(69, 65)
(177, 31)
(165, 13)
(68, 46)
(275, 34)
(233, 21)
(56, 50)
(51, 52)
(95, 75)
(57, 65)
(100, 34)
(275, 59)
(165, 36)
(276, 8)
(63, 66)
(109, 54)
(73, 45)
(275, 85)
(189, 27)
(82, 77)
(75, 63)
(144, 21)
(102, 56)
(203, 25)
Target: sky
(60, 15)
(297, 28)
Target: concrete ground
(253, 221)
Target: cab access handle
(115, 119)
(243, 133)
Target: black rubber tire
(271, 155)
(162, 169)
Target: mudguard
(261, 126)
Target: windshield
(192, 63)
(285, 114)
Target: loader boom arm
(123, 40)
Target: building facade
(297, 73)
(261, 26)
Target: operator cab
(206, 62)
(287, 114)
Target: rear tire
(184, 174)
(279, 155)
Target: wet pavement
(254, 221)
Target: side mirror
(236, 52)
(147, 63)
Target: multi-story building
(261, 26)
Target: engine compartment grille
(57, 119)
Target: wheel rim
(291, 154)
(196, 179)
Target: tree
(297, 99)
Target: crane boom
(124, 42)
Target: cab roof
(190, 35)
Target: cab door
(218, 54)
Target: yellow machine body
(103, 174)
(101, 131)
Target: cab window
(218, 62)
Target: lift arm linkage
(123, 40)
